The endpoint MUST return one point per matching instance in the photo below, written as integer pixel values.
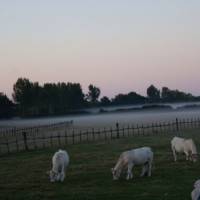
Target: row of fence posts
(80, 135)
(117, 130)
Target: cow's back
(61, 158)
(178, 144)
(141, 155)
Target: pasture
(89, 176)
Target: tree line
(32, 99)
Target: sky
(119, 46)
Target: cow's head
(115, 173)
(53, 176)
(194, 157)
(197, 184)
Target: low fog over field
(109, 119)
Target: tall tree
(23, 92)
(23, 95)
(75, 96)
(165, 93)
(130, 98)
(105, 101)
(50, 97)
(6, 106)
(175, 95)
(153, 93)
(93, 94)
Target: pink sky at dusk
(117, 46)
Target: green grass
(22, 175)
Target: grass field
(22, 175)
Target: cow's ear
(112, 169)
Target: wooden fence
(15, 140)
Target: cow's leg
(129, 171)
(58, 177)
(186, 155)
(149, 168)
(62, 174)
(174, 154)
(190, 157)
(144, 170)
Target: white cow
(128, 159)
(195, 194)
(60, 161)
(186, 146)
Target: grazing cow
(186, 146)
(60, 161)
(195, 194)
(128, 159)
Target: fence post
(184, 123)
(99, 134)
(105, 136)
(59, 141)
(160, 125)
(51, 140)
(25, 140)
(80, 136)
(7, 143)
(34, 139)
(165, 127)
(73, 141)
(66, 142)
(142, 127)
(156, 128)
(133, 131)
(93, 138)
(177, 125)
(87, 135)
(198, 122)
(138, 129)
(152, 128)
(128, 128)
(117, 128)
(17, 145)
(43, 140)
(189, 123)
(192, 125)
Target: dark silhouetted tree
(165, 93)
(105, 101)
(23, 92)
(153, 93)
(75, 96)
(168, 95)
(6, 106)
(93, 94)
(130, 98)
(23, 95)
(60, 98)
